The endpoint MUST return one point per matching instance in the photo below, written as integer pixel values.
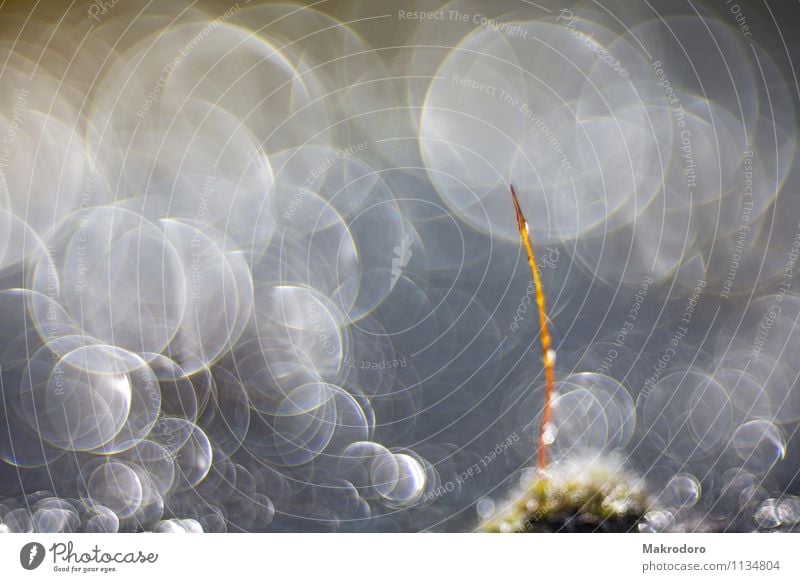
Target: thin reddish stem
(548, 354)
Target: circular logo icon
(31, 555)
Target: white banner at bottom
(406, 557)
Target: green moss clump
(580, 494)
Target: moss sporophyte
(589, 491)
(546, 428)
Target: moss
(580, 494)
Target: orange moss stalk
(548, 354)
